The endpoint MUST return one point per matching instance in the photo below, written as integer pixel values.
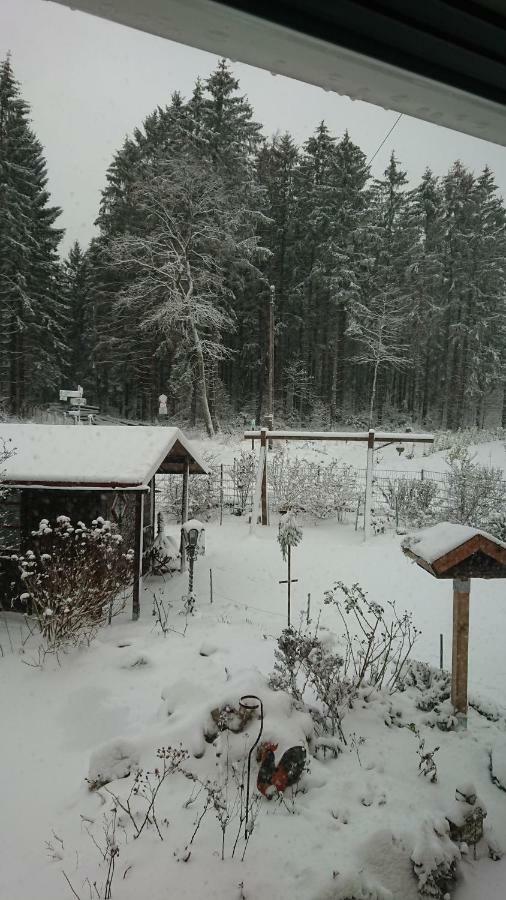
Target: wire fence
(401, 498)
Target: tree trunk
(201, 379)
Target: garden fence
(401, 498)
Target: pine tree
(378, 319)
(78, 290)
(33, 353)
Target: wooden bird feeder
(461, 553)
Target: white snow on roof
(88, 454)
(432, 543)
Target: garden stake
(259, 735)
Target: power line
(399, 117)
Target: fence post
(221, 494)
(368, 484)
(263, 443)
(421, 475)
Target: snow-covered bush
(433, 684)
(475, 494)
(321, 491)
(73, 579)
(309, 666)
(354, 887)
(243, 477)
(411, 500)
(465, 437)
(378, 645)
(435, 859)
(305, 667)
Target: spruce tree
(33, 352)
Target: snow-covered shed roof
(447, 550)
(93, 456)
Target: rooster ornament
(274, 778)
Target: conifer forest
(388, 297)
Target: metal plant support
(257, 705)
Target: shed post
(184, 510)
(139, 534)
(461, 589)
(263, 443)
(152, 505)
(368, 484)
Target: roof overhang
(481, 556)
(94, 458)
(435, 61)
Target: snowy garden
(245, 664)
(225, 745)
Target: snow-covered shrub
(411, 500)
(73, 579)
(378, 645)
(308, 666)
(426, 763)
(116, 759)
(321, 490)
(496, 524)
(354, 887)
(435, 859)
(243, 476)
(433, 684)
(475, 493)
(465, 437)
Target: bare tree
(192, 235)
(378, 329)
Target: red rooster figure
(272, 777)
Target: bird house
(458, 552)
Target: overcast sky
(90, 82)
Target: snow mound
(113, 760)
(498, 762)
(435, 858)
(189, 704)
(355, 887)
(136, 660)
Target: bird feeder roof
(93, 457)
(457, 551)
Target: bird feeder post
(458, 552)
(460, 644)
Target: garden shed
(88, 471)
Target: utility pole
(270, 392)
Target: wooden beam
(344, 436)
(461, 590)
(139, 542)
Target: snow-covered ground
(359, 814)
